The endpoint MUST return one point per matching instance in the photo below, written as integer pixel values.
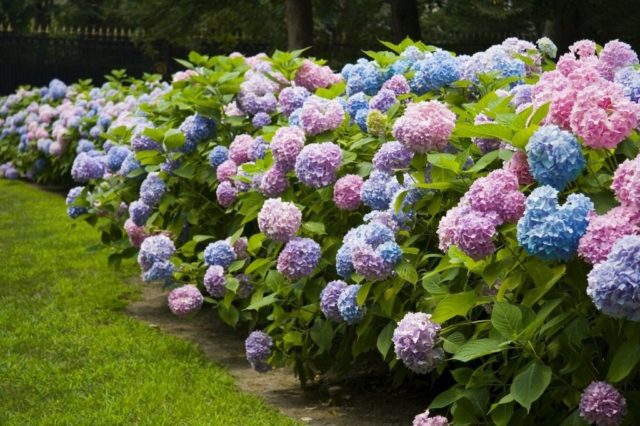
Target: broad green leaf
(483, 162)
(314, 228)
(457, 304)
(446, 398)
(407, 272)
(265, 301)
(478, 347)
(384, 338)
(256, 264)
(624, 361)
(530, 384)
(445, 161)
(322, 334)
(506, 319)
(490, 130)
(545, 279)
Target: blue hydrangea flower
(550, 231)
(329, 300)
(435, 71)
(159, 271)
(294, 118)
(361, 119)
(356, 103)
(74, 211)
(378, 190)
(129, 164)
(344, 265)
(348, 306)
(152, 189)
(116, 156)
(139, 212)
(140, 142)
(219, 253)
(614, 285)
(261, 119)
(629, 78)
(85, 145)
(555, 157)
(86, 168)
(155, 249)
(196, 128)
(57, 89)
(218, 155)
(390, 252)
(364, 76)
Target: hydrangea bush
(468, 221)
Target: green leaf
(476, 348)
(361, 297)
(445, 161)
(294, 338)
(624, 361)
(457, 304)
(229, 315)
(407, 272)
(483, 162)
(314, 228)
(446, 398)
(384, 339)
(545, 278)
(506, 319)
(489, 130)
(256, 264)
(322, 334)
(530, 384)
(186, 171)
(173, 139)
(265, 301)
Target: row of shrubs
(471, 221)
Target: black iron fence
(40, 54)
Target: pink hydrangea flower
(626, 183)
(519, 167)
(425, 126)
(603, 116)
(603, 231)
(615, 55)
(241, 148)
(312, 76)
(346, 192)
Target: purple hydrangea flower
(318, 163)
(299, 258)
(140, 142)
(348, 306)
(245, 288)
(279, 220)
(414, 341)
(485, 144)
(258, 149)
(152, 189)
(392, 156)
(261, 119)
(273, 182)
(129, 164)
(226, 193)
(196, 128)
(219, 253)
(258, 349)
(215, 281)
(185, 300)
(474, 234)
(86, 168)
(498, 193)
(329, 300)
(139, 212)
(368, 263)
(378, 190)
(292, 98)
(320, 115)
(226, 170)
(397, 84)
(602, 404)
(384, 100)
(614, 285)
(116, 156)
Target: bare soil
(357, 404)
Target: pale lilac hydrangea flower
(292, 98)
(136, 234)
(273, 182)
(319, 115)
(240, 149)
(157, 248)
(329, 300)
(415, 339)
(424, 419)
(226, 194)
(215, 281)
(604, 230)
(286, 145)
(615, 55)
(392, 156)
(185, 300)
(226, 170)
(279, 220)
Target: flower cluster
(425, 126)
(185, 300)
(602, 404)
(346, 192)
(604, 230)
(320, 115)
(424, 419)
(415, 339)
(555, 157)
(72, 210)
(298, 258)
(155, 252)
(318, 163)
(350, 311)
(258, 349)
(329, 299)
(279, 220)
(369, 250)
(613, 285)
(219, 253)
(549, 230)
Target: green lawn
(70, 356)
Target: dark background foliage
(337, 30)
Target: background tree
(405, 20)
(299, 24)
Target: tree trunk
(299, 24)
(405, 21)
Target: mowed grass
(70, 356)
